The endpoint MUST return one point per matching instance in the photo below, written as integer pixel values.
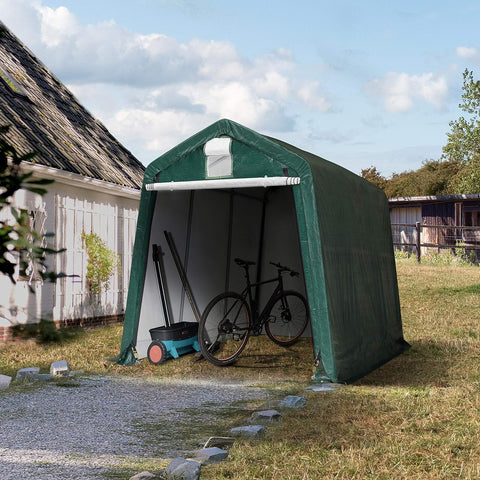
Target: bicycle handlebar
(283, 268)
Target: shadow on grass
(453, 291)
(261, 361)
(426, 363)
(46, 332)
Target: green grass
(417, 417)
(262, 361)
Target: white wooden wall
(403, 234)
(112, 218)
(67, 211)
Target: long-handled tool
(182, 274)
(157, 260)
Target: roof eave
(81, 181)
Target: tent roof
(281, 151)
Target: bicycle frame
(259, 319)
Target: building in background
(96, 189)
(445, 222)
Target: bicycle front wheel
(224, 328)
(288, 318)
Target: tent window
(218, 157)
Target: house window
(219, 158)
(471, 219)
(37, 219)
(11, 82)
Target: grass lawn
(416, 417)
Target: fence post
(417, 242)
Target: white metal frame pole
(224, 183)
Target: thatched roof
(45, 117)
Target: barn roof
(45, 117)
(413, 201)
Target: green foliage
(402, 255)
(458, 257)
(468, 178)
(446, 259)
(16, 232)
(464, 139)
(102, 263)
(374, 176)
(433, 178)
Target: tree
(463, 142)
(20, 244)
(373, 176)
(434, 177)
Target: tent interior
(210, 228)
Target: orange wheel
(157, 352)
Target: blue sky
(359, 83)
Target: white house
(96, 189)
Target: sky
(360, 83)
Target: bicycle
(230, 318)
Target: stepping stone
(324, 387)
(266, 416)
(293, 401)
(28, 374)
(180, 468)
(248, 431)
(5, 381)
(143, 476)
(220, 442)
(210, 455)
(59, 368)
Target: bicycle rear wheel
(288, 318)
(224, 328)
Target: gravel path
(87, 426)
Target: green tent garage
(230, 192)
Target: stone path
(80, 429)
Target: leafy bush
(102, 263)
(444, 258)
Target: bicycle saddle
(243, 263)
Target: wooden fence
(416, 237)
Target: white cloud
(467, 52)
(400, 91)
(309, 94)
(57, 26)
(22, 18)
(154, 133)
(272, 83)
(152, 90)
(238, 101)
